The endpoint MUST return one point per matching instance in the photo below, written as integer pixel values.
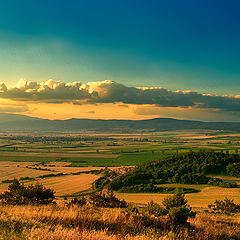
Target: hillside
(24, 123)
(187, 168)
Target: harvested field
(11, 170)
(69, 184)
(63, 185)
(199, 200)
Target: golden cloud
(52, 91)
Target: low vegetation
(95, 219)
(106, 200)
(175, 207)
(233, 170)
(226, 206)
(18, 194)
(221, 183)
(77, 202)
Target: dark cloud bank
(113, 92)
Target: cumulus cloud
(112, 92)
(3, 87)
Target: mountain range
(14, 122)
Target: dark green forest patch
(186, 168)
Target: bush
(18, 194)
(220, 183)
(77, 202)
(155, 209)
(226, 206)
(179, 215)
(178, 209)
(177, 200)
(100, 183)
(26, 178)
(233, 169)
(228, 185)
(8, 181)
(175, 207)
(106, 200)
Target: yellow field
(10, 170)
(198, 200)
(63, 185)
(68, 184)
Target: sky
(121, 59)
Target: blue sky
(175, 44)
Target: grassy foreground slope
(58, 222)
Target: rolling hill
(16, 122)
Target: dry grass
(228, 227)
(57, 222)
(59, 233)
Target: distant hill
(25, 123)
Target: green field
(82, 150)
(113, 149)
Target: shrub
(77, 202)
(221, 183)
(178, 209)
(100, 183)
(226, 206)
(155, 209)
(228, 185)
(233, 170)
(175, 207)
(179, 215)
(177, 200)
(26, 178)
(8, 181)
(18, 194)
(106, 200)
